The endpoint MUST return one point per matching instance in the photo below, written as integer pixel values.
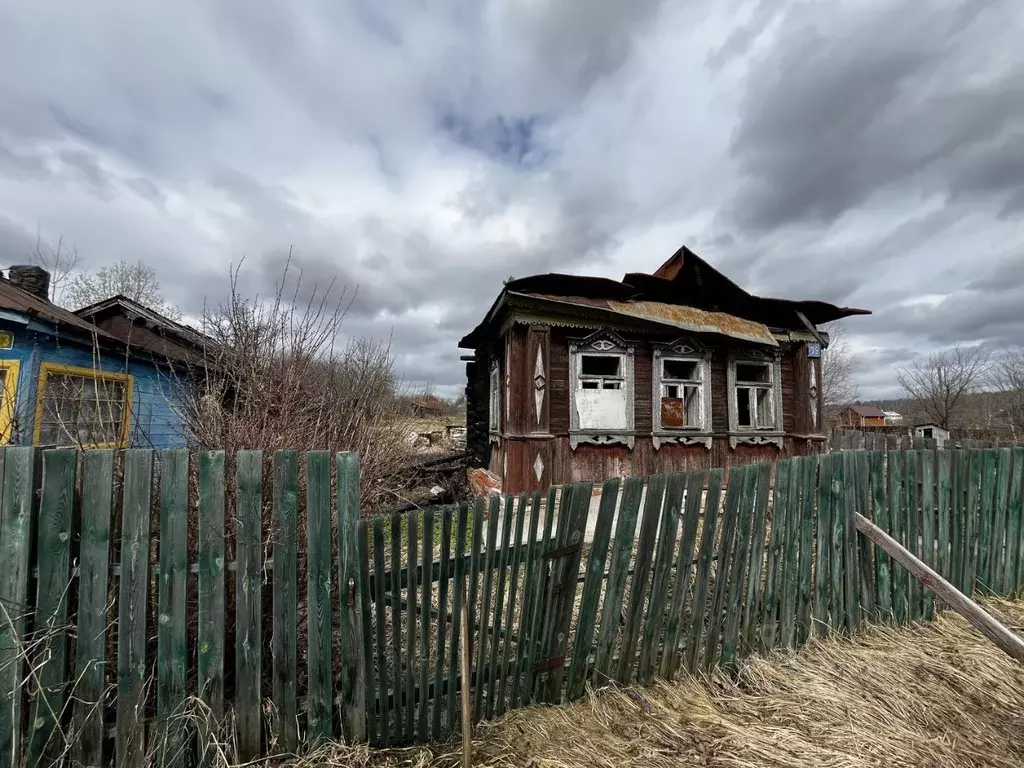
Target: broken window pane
(692, 402)
(590, 384)
(755, 372)
(670, 390)
(687, 370)
(764, 407)
(599, 365)
(743, 414)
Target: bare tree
(838, 387)
(1006, 377)
(60, 260)
(939, 382)
(279, 374)
(137, 282)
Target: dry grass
(932, 695)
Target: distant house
(584, 378)
(930, 431)
(892, 418)
(106, 376)
(862, 416)
(427, 406)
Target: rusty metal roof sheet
(674, 315)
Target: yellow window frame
(7, 398)
(45, 369)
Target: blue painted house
(109, 375)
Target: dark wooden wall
(527, 438)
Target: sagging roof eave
(509, 298)
(471, 340)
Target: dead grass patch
(930, 695)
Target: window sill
(757, 437)
(595, 437)
(681, 437)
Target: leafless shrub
(1006, 377)
(278, 375)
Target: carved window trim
(607, 343)
(685, 350)
(494, 402)
(772, 435)
(813, 390)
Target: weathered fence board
(249, 600)
(701, 582)
(172, 626)
(318, 595)
(284, 642)
(131, 622)
(91, 650)
(52, 587)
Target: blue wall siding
(156, 420)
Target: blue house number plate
(814, 349)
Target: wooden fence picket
(733, 494)
(53, 588)
(513, 601)
(618, 571)
(641, 571)
(823, 541)
(131, 622)
(284, 638)
(653, 632)
(351, 584)
(752, 603)
(807, 512)
(93, 579)
(774, 581)
(499, 608)
(585, 625)
(1015, 512)
(701, 583)
(380, 623)
(172, 626)
(522, 635)
(683, 569)
(739, 566)
(249, 600)
(319, 627)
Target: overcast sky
(868, 152)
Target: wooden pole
(467, 721)
(1008, 642)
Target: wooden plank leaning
(1007, 641)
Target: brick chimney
(35, 280)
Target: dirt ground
(930, 695)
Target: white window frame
(494, 401)
(757, 434)
(601, 344)
(682, 350)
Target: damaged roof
(685, 292)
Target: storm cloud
(412, 156)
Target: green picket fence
(281, 618)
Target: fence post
(353, 670)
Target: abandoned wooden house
(583, 378)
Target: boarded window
(83, 410)
(601, 393)
(681, 394)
